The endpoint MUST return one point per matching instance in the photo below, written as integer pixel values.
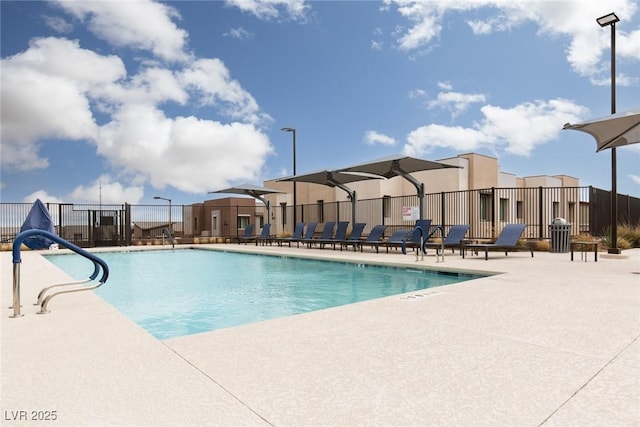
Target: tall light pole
(610, 21)
(170, 223)
(295, 201)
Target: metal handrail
(410, 235)
(45, 290)
(97, 262)
(424, 244)
(168, 233)
(423, 241)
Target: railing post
(540, 212)
(442, 209)
(16, 290)
(494, 232)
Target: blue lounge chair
(397, 239)
(327, 232)
(341, 234)
(265, 235)
(506, 241)
(414, 237)
(355, 238)
(374, 238)
(297, 235)
(247, 235)
(308, 234)
(453, 239)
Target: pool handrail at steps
(43, 300)
(166, 232)
(423, 240)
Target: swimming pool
(187, 291)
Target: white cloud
(212, 81)
(188, 153)
(516, 130)
(238, 33)
(106, 191)
(52, 76)
(58, 24)
(635, 178)
(43, 196)
(574, 19)
(139, 138)
(372, 137)
(417, 93)
(445, 86)
(140, 24)
(270, 9)
(456, 102)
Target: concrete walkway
(547, 342)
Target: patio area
(546, 342)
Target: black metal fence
(588, 209)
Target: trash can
(560, 231)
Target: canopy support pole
(419, 185)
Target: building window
(242, 221)
(519, 209)
(283, 213)
(260, 221)
(386, 206)
(320, 205)
(195, 223)
(572, 211)
(485, 206)
(504, 209)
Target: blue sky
(122, 101)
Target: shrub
(541, 245)
(628, 236)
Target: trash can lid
(559, 221)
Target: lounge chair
(263, 237)
(414, 238)
(397, 239)
(506, 241)
(327, 232)
(453, 239)
(374, 237)
(341, 234)
(308, 234)
(297, 235)
(355, 238)
(247, 235)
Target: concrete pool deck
(546, 342)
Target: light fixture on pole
(295, 202)
(610, 20)
(170, 223)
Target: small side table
(584, 248)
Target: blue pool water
(182, 292)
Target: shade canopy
(334, 178)
(396, 165)
(248, 189)
(612, 131)
(254, 191)
(400, 165)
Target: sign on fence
(410, 213)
